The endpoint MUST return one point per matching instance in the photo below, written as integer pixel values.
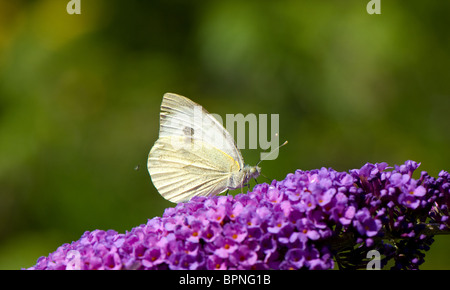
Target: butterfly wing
(182, 172)
(194, 154)
(182, 117)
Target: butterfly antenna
(285, 142)
(270, 180)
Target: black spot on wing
(188, 131)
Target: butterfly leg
(248, 187)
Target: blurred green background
(80, 97)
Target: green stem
(433, 229)
(347, 239)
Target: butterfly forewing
(183, 117)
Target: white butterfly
(194, 155)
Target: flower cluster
(308, 220)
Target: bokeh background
(80, 97)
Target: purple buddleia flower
(417, 191)
(243, 258)
(408, 200)
(235, 231)
(306, 230)
(305, 221)
(277, 223)
(112, 261)
(268, 244)
(366, 224)
(324, 198)
(224, 246)
(343, 215)
(211, 231)
(398, 180)
(295, 257)
(216, 263)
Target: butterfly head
(251, 172)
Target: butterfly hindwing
(181, 172)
